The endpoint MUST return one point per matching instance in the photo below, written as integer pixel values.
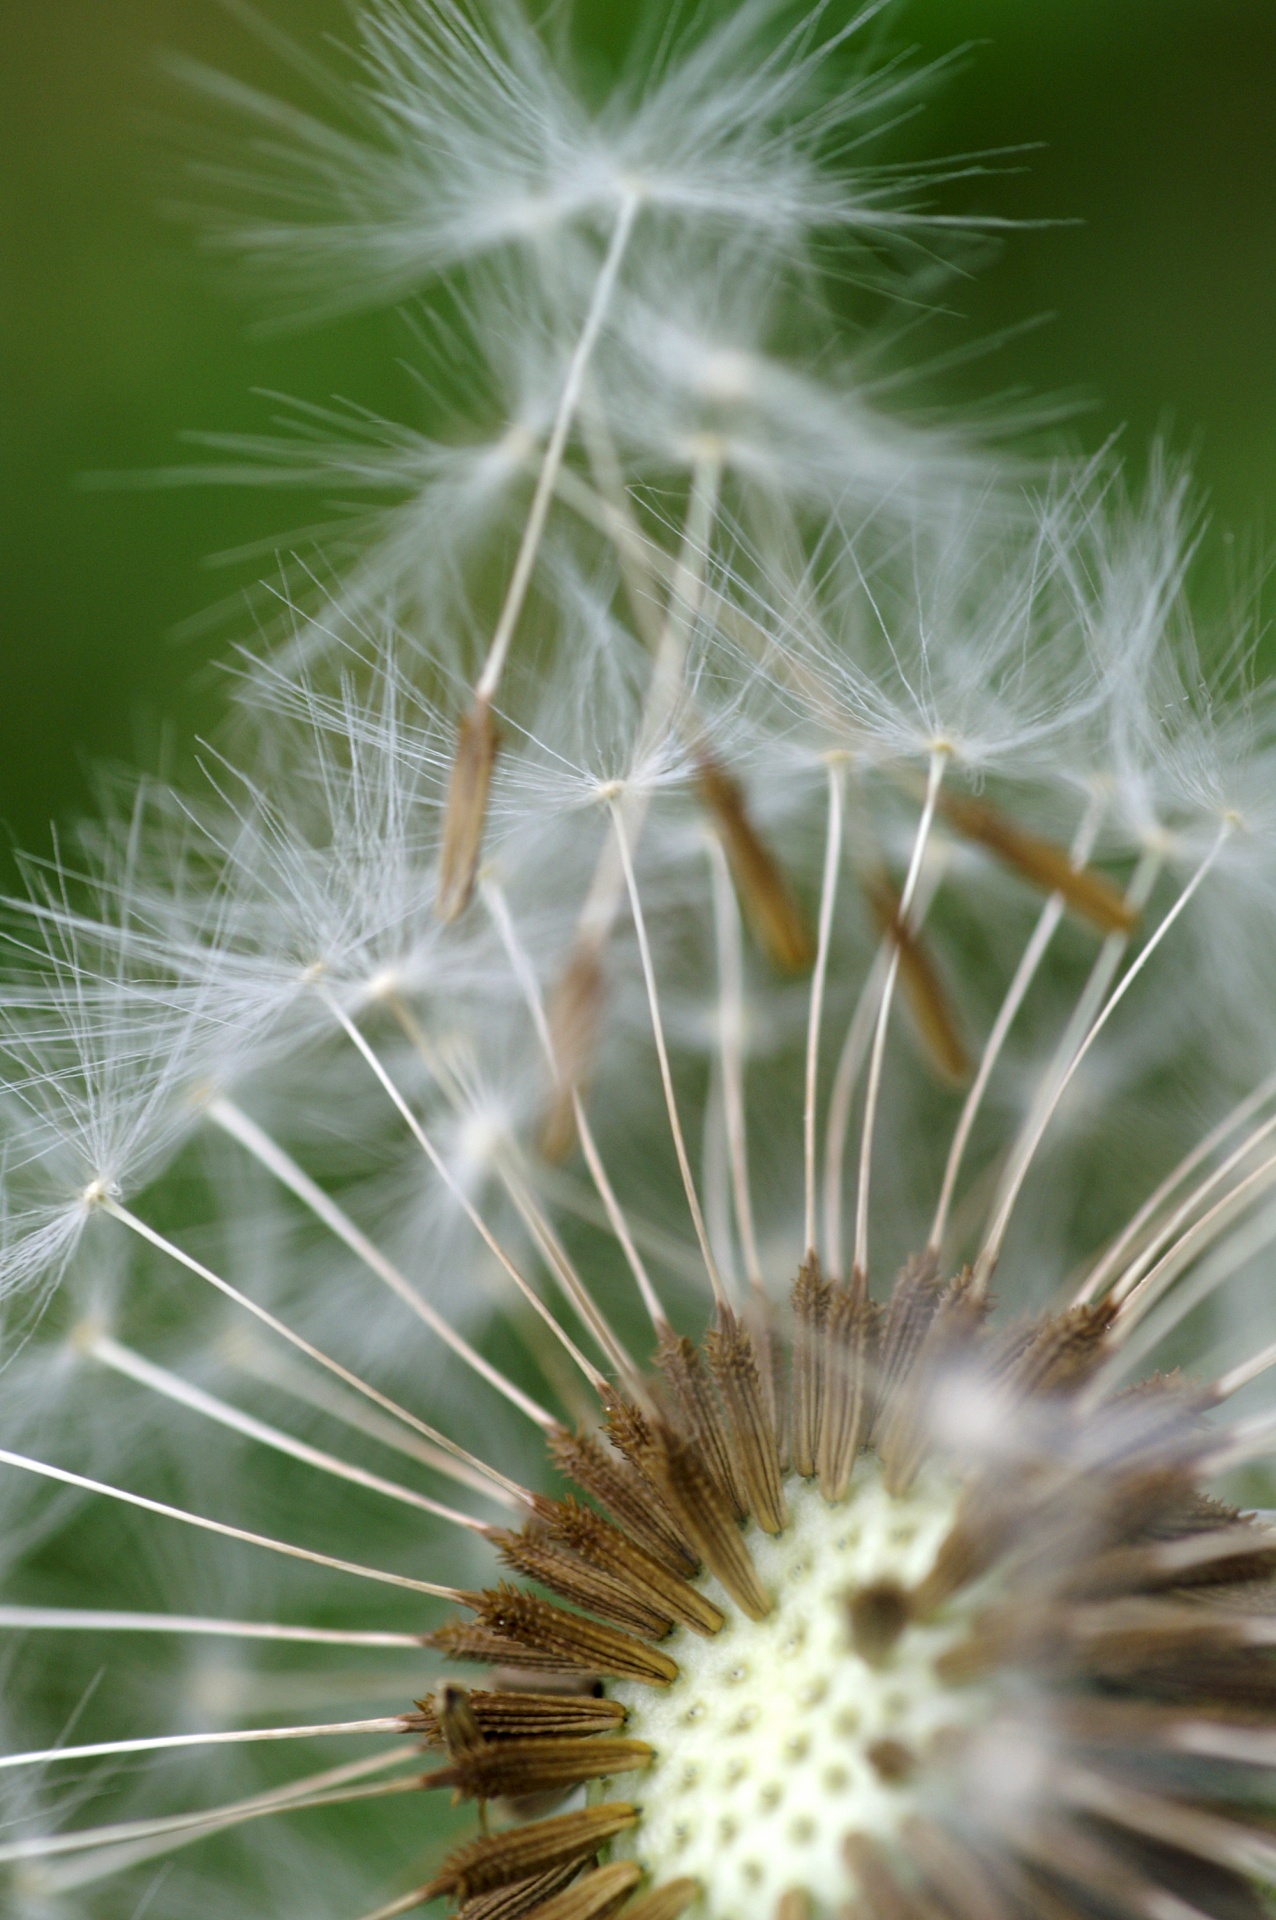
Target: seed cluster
(923, 1624)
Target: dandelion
(723, 1372)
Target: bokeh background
(1152, 129)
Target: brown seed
(769, 905)
(1046, 864)
(710, 1522)
(735, 1369)
(669, 1901)
(919, 977)
(602, 1593)
(519, 1853)
(905, 1430)
(1064, 1351)
(850, 1329)
(594, 1895)
(574, 1641)
(510, 1903)
(605, 1546)
(458, 1725)
(914, 1302)
(575, 1011)
(1145, 1568)
(521, 1716)
(512, 1768)
(761, 1317)
(679, 1362)
(811, 1294)
(625, 1492)
(461, 1640)
(466, 815)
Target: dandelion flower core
(650, 1220)
(779, 1737)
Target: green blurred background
(1157, 124)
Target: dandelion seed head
(652, 1204)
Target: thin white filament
(275, 1370)
(277, 1800)
(616, 1218)
(686, 595)
(1196, 1237)
(606, 887)
(662, 1055)
(222, 1527)
(609, 510)
(443, 1455)
(184, 1830)
(1090, 999)
(859, 1033)
(404, 1904)
(1235, 1252)
(460, 1466)
(454, 1187)
(1128, 1289)
(520, 579)
(107, 1620)
(1110, 1263)
(532, 1214)
(224, 1737)
(1240, 1376)
(715, 1178)
(992, 1246)
(731, 1029)
(1247, 1440)
(325, 1209)
(497, 906)
(120, 1359)
(828, 900)
(657, 1242)
(560, 1264)
(493, 898)
(855, 1047)
(1042, 934)
(860, 1257)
